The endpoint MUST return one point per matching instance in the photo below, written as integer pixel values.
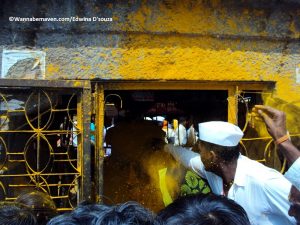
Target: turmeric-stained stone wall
(184, 40)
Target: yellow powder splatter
(52, 69)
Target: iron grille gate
(44, 139)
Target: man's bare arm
(275, 121)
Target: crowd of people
(193, 210)
(244, 191)
(180, 132)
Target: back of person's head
(182, 120)
(128, 213)
(12, 213)
(84, 213)
(204, 210)
(88, 213)
(40, 203)
(65, 219)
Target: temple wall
(178, 40)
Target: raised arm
(187, 158)
(275, 121)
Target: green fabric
(194, 184)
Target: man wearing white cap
(261, 191)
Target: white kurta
(293, 174)
(261, 191)
(180, 135)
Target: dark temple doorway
(132, 120)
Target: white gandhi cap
(220, 133)
(160, 118)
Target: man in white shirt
(261, 191)
(275, 121)
(180, 132)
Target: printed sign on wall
(23, 64)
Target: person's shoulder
(258, 172)
(293, 174)
(294, 169)
(296, 164)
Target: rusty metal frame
(99, 150)
(83, 90)
(84, 109)
(184, 85)
(21, 83)
(233, 88)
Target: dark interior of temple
(131, 172)
(201, 105)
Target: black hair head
(204, 210)
(228, 154)
(12, 213)
(40, 203)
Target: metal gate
(44, 139)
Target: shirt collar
(241, 169)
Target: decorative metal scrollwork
(37, 147)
